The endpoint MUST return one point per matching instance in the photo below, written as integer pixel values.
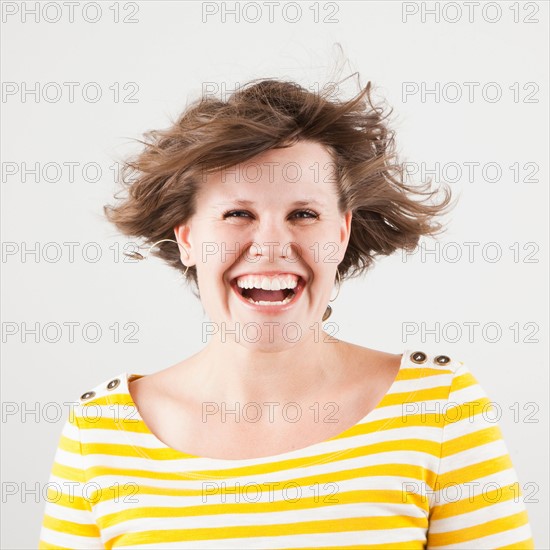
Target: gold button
(418, 357)
(442, 360)
(87, 395)
(113, 384)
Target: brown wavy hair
(162, 180)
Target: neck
(233, 372)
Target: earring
(139, 256)
(328, 311)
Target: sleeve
(477, 502)
(68, 520)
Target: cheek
(218, 249)
(319, 249)
(229, 234)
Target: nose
(274, 239)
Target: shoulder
(110, 390)
(436, 368)
(96, 414)
(431, 360)
(425, 361)
(444, 374)
(419, 358)
(101, 407)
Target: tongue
(258, 294)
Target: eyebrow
(303, 202)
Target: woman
(276, 434)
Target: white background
(169, 53)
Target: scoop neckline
(302, 452)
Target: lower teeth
(267, 303)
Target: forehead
(302, 152)
(305, 168)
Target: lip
(298, 290)
(267, 274)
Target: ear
(182, 234)
(345, 234)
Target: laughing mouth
(263, 297)
(267, 297)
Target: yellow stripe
(67, 500)
(471, 440)
(463, 381)
(475, 471)
(130, 451)
(70, 527)
(527, 544)
(124, 399)
(252, 470)
(426, 420)
(67, 472)
(287, 504)
(128, 489)
(43, 545)
(416, 373)
(427, 394)
(472, 503)
(69, 445)
(500, 525)
(340, 525)
(106, 423)
(397, 470)
(416, 445)
(403, 545)
(465, 410)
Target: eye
(310, 213)
(232, 214)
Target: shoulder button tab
(87, 395)
(113, 384)
(418, 357)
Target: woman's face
(289, 233)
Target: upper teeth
(278, 282)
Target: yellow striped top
(426, 468)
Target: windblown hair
(264, 114)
